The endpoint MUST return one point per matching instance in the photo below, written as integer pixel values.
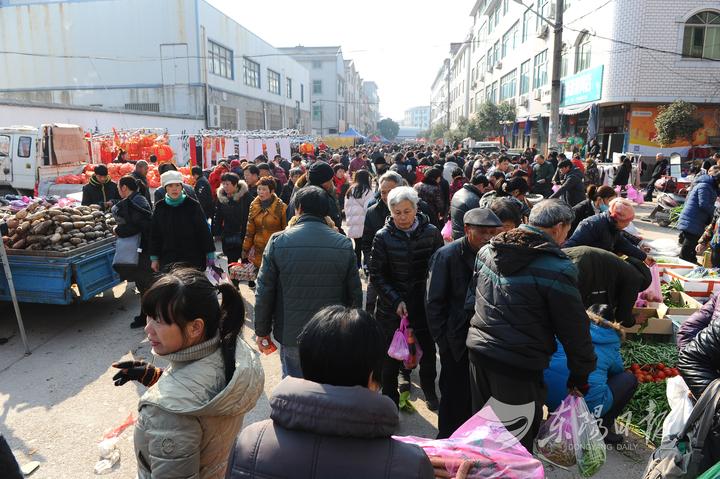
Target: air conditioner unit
(489, 68)
(498, 65)
(537, 94)
(524, 101)
(473, 85)
(542, 32)
(546, 95)
(482, 78)
(213, 119)
(510, 101)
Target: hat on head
(234, 163)
(320, 173)
(621, 209)
(380, 160)
(481, 217)
(171, 177)
(101, 170)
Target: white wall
(88, 120)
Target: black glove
(139, 371)
(581, 385)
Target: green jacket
(187, 421)
(304, 268)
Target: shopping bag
(399, 348)
(653, 293)
(447, 231)
(216, 275)
(127, 251)
(686, 455)
(571, 436)
(242, 271)
(680, 407)
(415, 352)
(482, 448)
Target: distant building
(370, 90)
(439, 96)
(418, 117)
(179, 59)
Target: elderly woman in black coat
(398, 268)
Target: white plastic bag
(680, 407)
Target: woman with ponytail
(194, 408)
(598, 199)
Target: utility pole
(447, 112)
(556, 92)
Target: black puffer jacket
(399, 267)
(466, 199)
(600, 231)
(134, 215)
(432, 195)
(96, 193)
(526, 294)
(699, 362)
(231, 215)
(572, 190)
(203, 191)
(180, 234)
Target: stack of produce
(42, 226)
(652, 364)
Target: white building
(179, 59)
(439, 96)
(418, 117)
(370, 89)
(327, 79)
(459, 82)
(625, 56)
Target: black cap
(380, 160)
(481, 217)
(319, 173)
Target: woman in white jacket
(357, 199)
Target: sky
(399, 44)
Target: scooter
(665, 212)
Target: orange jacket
(262, 223)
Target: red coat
(215, 179)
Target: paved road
(56, 403)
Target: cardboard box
(646, 313)
(653, 326)
(679, 266)
(691, 304)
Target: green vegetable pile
(646, 411)
(667, 290)
(592, 458)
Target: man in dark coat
(100, 190)
(140, 174)
(572, 189)
(526, 295)
(543, 173)
(450, 273)
(202, 191)
(467, 198)
(605, 231)
(605, 278)
(661, 164)
(304, 268)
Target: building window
(525, 77)
(251, 73)
(543, 8)
(701, 37)
(273, 82)
(481, 67)
(302, 93)
(507, 85)
(221, 60)
(527, 25)
(340, 87)
(317, 112)
(288, 87)
(505, 7)
(490, 60)
(317, 87)
(509, 40)
(540, 67)
(316, 64)
(564, 63)
(490, 93)
(584, 49)
(496, 51)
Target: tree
(676, 121)
(486, 120)
(388, 128)
(438, 130)
(460, 132)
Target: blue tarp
(352, 132)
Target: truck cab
(18, 157)
(25, 151)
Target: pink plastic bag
(485, 442)
(555, 188)
(447, 231)
(398, 346)
(653, 294)
(635, 195)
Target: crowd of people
(517, 272)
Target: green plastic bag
(712, 473)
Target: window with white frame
(317, 87)
(527, 25)
(584, 50)
(317, 112)
(543, 8)
(525, 77)
(540, 69)
(220, 60)
(701, 36)
(507, 85)
(273, 81)
(251, 75)
(288, 87)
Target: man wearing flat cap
(321, 174)
(450, 275)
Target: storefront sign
(584, 87)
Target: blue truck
(51, 277)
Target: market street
(57, 403)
